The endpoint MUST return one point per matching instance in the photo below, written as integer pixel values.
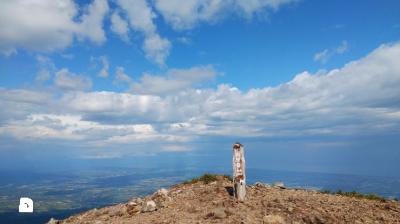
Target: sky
(304, 84)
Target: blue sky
(112, 78)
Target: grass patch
(207, 178)
(355, 194)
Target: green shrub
(207, 178)
(355, 194)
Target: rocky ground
(213, 203)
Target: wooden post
(239, 175)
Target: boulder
(149, 206)
(161, 198)
(259, 184)
(219, 213)
(279, 185)
(53, 221)
(273, 219)
(161, 193)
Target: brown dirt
(213, 203)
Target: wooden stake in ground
(239, 177)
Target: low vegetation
(207, 178)
(355, 194)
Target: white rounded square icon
(25, 205)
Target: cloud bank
(360, 98)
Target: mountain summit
(209, 199)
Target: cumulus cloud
(120, 26)
(141, 16)
(64, 79)
(187, 14)
(46, 68)
(48, 25)
(92, 21)
(174, 80)
(104, 64)
(122, 77)
(326, 54)
(360, 98)
(256, 6)
(156, 48)
(342, 48)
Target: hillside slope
(199, 202)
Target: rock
(259, 184)
(192, 209)
(314, 219)
(161, 193)
(135, 201)
(117, 211)
(218, 213)
(230, 211)
(319, 220)
(161, 198)
(53, 221)
(149, 206)
(279, 185)
(131, 210)
(132, 203)
(273, 219)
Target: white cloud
(156, 48)
(326, 54)
(174, 80)
(16, 104)
(122, 77)
(36, 25)
(67, 80)
(92, 21)
(250, 7)
(120, 26)
(72, 127)
(48, 25)
(184, 40)
(24, 96)
(187, 14)
(140, 14)
(342, 48)
(46, 68)
(105, 66)
(43, 75)
(102, 63)
(322, 56)
(361, 98)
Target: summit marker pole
(239, 175)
